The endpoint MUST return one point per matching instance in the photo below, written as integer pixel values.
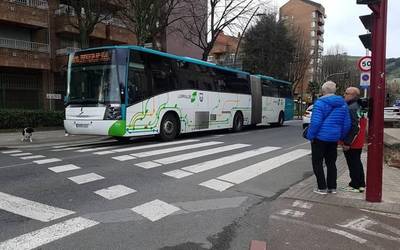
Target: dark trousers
(327, 151)
(353, 158)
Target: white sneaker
(320, 191)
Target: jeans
(327, 151)
(353, 159)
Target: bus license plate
(82, 125)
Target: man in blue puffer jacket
(330, 122)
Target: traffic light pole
(377, 94)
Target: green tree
(268, 48)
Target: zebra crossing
(196, 156)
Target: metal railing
(66, 51)
(23, 45)
(41, 4)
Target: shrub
(11, 119)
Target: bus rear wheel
(237, 122)
(169, 128)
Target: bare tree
(84, 15)
(301, 59)
(337, 66)
(203, 24)
(149, 19)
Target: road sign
(364, 64)
(365, 79)
(53, 96)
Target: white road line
(48, 234)
(347, 235)
(11, 151)
(144, 147)
(198, 154)
(175, 149)
(86, 178)
(204, 166)
(115, 192)
(21, 154)
(123, 158)
(68, 149)
(178, 174)
(325, 228)
(217, 185)
(155, 210)
(292, 213)
(257, 169)
(93, 149)
(64, 168)
(148, 165)
(45, 161)
(32, 157)
(302, 204)
(31, 209)
(381, 213)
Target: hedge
(11, 119)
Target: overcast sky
(342, 26)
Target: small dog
(27, 134)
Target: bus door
(256, 100)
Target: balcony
(321, 38)
(320, 30)
(24, 54)
(321, 20)
(28, 13)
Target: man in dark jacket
(354, 142)
(330, 122)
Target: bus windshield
(97, 77)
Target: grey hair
(328, 88)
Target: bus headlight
(113, 113)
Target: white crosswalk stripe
(31, 209)
(45, 161)
(155, 210)
(120, 150)
(32, 157)
(21, 154)
(250, 172)
(86, 178)
(64, 168)
(176, 149)
(123, 158)
(68, 149)
(198, 154)
(93, 149)
(115, 192)
(208, 165)
(48, 234)
(11, 151)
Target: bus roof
(186, 59)
(269, 78)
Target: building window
(313, 24)
(312, 42)
(313, 33)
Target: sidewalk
(303, 219)
(44, 138)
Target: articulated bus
(125, 91)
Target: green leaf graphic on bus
(194, 95)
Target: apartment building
(310, 17)
(223, 51)
(35, 39)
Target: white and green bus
(125, 91)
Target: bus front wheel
(169, 127)
(237, 122)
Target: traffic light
(367, 21)
(368, 1)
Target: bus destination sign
(95, 57)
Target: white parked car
(391, 114)
(307, 116)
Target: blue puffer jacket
(330, 119)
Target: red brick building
(35, 38)
(224, 49)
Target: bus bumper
(88, 127)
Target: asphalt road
(202, 191)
